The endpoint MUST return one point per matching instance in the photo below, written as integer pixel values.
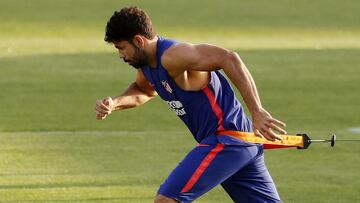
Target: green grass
(78, 166)
(128, 167)
(304, 56)
(306, 88)
(42, 27)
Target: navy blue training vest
(205, 112)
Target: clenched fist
(103, 108)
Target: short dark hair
(128, 22)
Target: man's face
(131, 54)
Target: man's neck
(150, 50)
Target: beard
(139, 59)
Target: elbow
(232, 61)
(151, 94)
(233, 56)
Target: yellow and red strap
(287, 141)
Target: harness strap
(288, 140)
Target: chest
(162, 83)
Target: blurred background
(54, 65)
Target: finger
(267, 135)
(258, 134)
(278, 122)
(102, 111)
(273, 135)
(106, 101)
(100, 107)
(104, 106)
(100, 116)
(277, 128)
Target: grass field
(304, 56)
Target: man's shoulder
(177, 51)
(176, 57)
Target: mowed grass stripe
(309, 89)
(230, 38)
(89, 193)
(102, 167)
(30, 29)
(44, 167)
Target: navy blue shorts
(240, 170)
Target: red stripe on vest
(215, 107)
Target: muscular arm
(138, 93)
(204, 57)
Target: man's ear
(139, 41)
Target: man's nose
(122, 56)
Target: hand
(103, 108)
(264, 125)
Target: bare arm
(138, 93)
(204, 57)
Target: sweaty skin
(189, 67)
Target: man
(187, 77)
